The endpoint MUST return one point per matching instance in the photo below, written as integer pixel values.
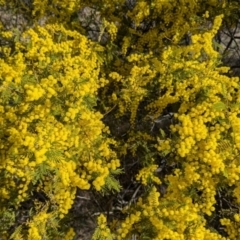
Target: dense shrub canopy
(119, 100)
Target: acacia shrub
(52, 139)
(54, 84)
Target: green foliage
(220, 106)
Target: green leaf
(29, 45)
(224, 90)
(17, 37)
(98, 48)
(220, 106)
(100, 58)
(164, 153)
(16, 232)
(90, 101)
(112, 184)
(117, 171)
(163, 134)
(97, 234)
(225, 173)
(59, 38)
(236, 105)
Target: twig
(134, 194)
(109, 110)
(84, 198)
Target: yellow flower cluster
(205, 38)
(235, 122)
(125, 45)
(70, 234)
(232, 227)
(103, 230)
(168, 217)
(135, 84)
(61, 9)
(37, 225)
(164, 146)
(140, 12)
(146, 175)
(127, 225)
(111, 28)
(49, 122)
(53, 139)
